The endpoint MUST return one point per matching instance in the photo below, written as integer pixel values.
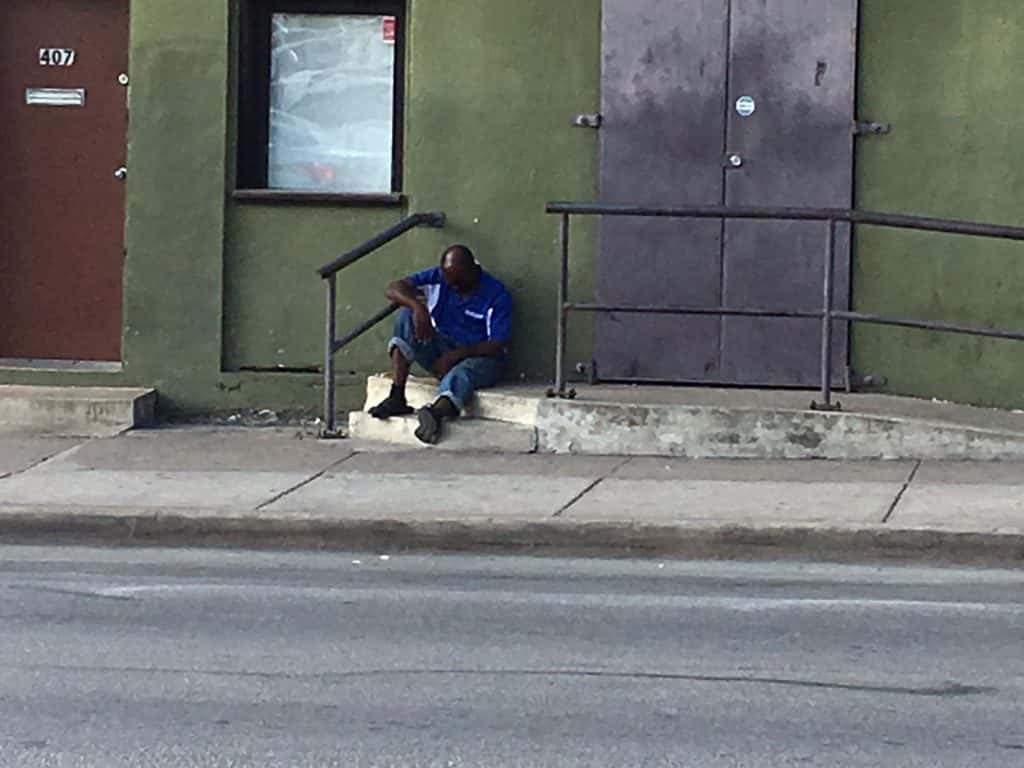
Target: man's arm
(499, 329)
(484, 349)
(453, 357)
(404, 294)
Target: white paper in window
(331, 103)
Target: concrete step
(476, 435)
(75, 411)
(494, 405)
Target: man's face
(459, 275)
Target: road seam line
(903, 490)
(307, 481)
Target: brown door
(63, 136)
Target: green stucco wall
(215, 286)
(175, 217)
(491, 88)
(945, 74)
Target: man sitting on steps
(460, 334)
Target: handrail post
(828, 306)
(563, 298)
(332, 299)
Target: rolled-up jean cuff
(402, 346)
(455, 399)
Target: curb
(693, 541)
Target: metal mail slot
(55, 97)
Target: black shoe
(390, 406)
(429, 430)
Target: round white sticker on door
(745, 106)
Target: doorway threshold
(62, 366)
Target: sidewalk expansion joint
(903, 490)
(58, 456)
(304, 483)
(592, 486)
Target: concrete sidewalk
(285, 488)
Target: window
(320, 97)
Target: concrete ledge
(180, 527)
(463, 435)
(702, 432)
(75, 411)
(632, 426)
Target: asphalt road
(186, 658)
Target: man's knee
(462, 381)
(480, 372)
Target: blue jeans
(459, 384)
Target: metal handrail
(828, 313)
(896, 221)
(329, 273)
(436, 219)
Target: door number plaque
(56, 57)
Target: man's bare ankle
(444, 408)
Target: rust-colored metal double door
(723, 102)
(64, 118)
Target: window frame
(253, 121)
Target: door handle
(734, 161)
(121, 173)
(869, 128)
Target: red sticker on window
(389, 29)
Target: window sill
(293, 197)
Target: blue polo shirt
(485, 315)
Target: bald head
(458, 256)
(460, 270)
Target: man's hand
(422, 327)
(446, 362)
